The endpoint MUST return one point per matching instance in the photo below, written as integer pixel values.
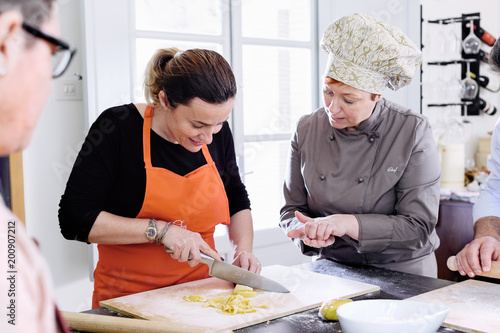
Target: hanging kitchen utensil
(471, 44)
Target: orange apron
(198, 198)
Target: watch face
(151, 232)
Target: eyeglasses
(63, 54)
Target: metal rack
(469, 107)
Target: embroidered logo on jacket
(392, 169)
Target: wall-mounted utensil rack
(470, 107)
(473, 110)
(464, 17)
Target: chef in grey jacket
(362, 182)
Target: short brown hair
(184, 75)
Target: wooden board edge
(364, 292)
(259, 320)
(174, 327)
(104, 304)
(461, 328)
(113, 324)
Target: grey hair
(494, 59)
(34, 12)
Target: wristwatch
(151, 231)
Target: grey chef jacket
(386, 173)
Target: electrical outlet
(68, 90)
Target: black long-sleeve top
(109, 174)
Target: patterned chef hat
(369, 54)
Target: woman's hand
(240, 232)
(321, 231)
(248, 261)
(185, 243)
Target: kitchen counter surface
(393, 285)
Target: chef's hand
(475, 258)
(248, 261)
(185, 243)
(320, 232)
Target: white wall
(63, 125)
(47, 163)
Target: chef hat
(369, 54)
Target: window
(271, 46)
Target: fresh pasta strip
(233, 304)
(244, 291)
(194, 298)
(230, 305)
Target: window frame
(232, 43)
(237, 42)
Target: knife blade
(235, 274)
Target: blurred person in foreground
(362, 184)
(30, 56)
(475, 258)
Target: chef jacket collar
(367, 125)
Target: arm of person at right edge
(476, 256)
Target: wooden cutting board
(475, 305)
(307, 290)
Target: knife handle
(494, 272)
(204, 258)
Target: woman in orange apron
(184, 193)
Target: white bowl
(391, 316)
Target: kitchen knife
(238, 275)
(494, 272)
